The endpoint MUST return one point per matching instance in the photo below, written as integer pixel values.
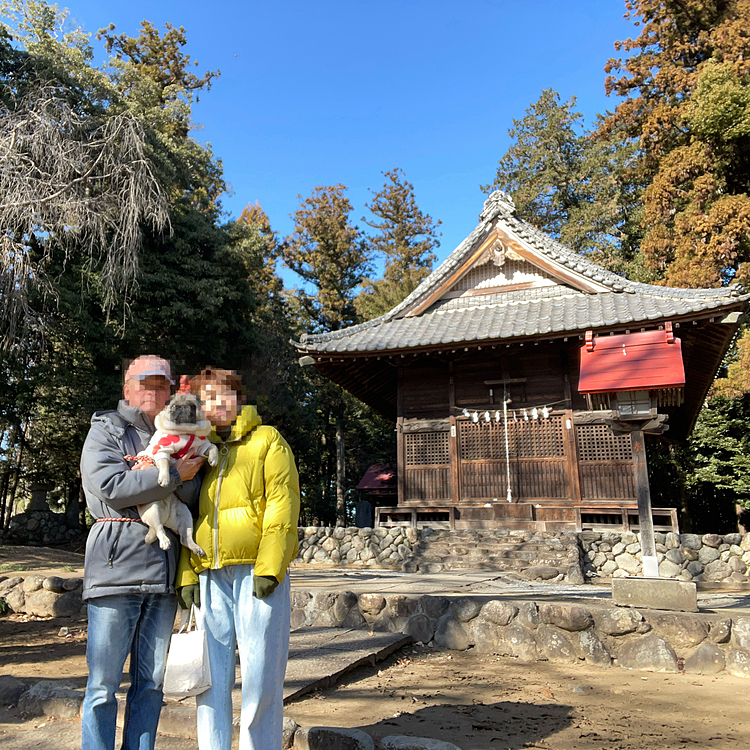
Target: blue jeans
(135, 624)
(261, 628)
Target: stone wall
(40, 527)
(371, 548)
(603, 636)
(687, 557)
(50, 596)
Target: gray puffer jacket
(118, 561)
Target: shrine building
(511, 373)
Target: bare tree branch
(74, 185)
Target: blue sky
(338, 92)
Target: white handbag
(188, 671)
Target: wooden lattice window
(597, 443)
(426, 448)
(535, 438)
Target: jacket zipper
(216, 505)
(113, 549)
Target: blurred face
(221, 404)
(150, 395)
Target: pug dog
(181, 430)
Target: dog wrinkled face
(184, 408)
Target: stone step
(444, 548)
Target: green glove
(189, 595)
(263, 586)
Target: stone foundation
(371, 548)
(50, 596)
(687, 557)
(603, 636)
(40, 528)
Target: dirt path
(481, 702)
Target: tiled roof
(517, 314)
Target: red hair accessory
(184, 384)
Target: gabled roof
(563, 292)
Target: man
(128, 584)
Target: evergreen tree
(406, 239)
(327, 251)
(569, 184)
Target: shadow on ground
(506, 725)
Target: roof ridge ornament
(498, 202)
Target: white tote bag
(188, 672)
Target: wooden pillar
(400, 443)
(643, 493)
(571, 448)
(453, 438)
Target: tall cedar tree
(406, 238)
(569, 184)
(327, 251)
(686, 83)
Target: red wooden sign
(631, 362)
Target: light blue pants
(261, 629)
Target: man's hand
(189, 595)
(188, 466)
(264, 586)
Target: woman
(247, 524)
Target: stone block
(574, 574)
(720, 631)
(11, 689)
(44, 603)
(717, 570)
(450, 634)
(32, 583)
(499, 612)
(540, 572)
(708, 554)
(706, 659)
(10, 583)
(655, 593)
(650, 653)
(680, 630)
(15, 599)
(331, 738)
(712, 540)
(569, 617)
(399, 742)
(420, 628)
(738, 663)
(520, 642)
(741, 633)
(51, 699)
(628, 563)
(466, 609)
(290, 726)
(669, 569)
(71, 584)
(555, 646)
(434, 606)
(528, 615)
(593, 650)
(487, 637)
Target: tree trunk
(81, 507)
(340, 473)
(72, 505)
(3, 496)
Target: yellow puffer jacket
(249, 504)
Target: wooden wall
(550, 460)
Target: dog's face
(184, 409)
